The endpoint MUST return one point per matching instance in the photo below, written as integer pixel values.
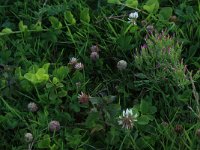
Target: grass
(158, 87)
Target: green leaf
(165, 12)
(61, 72)
(6, 31)
(132, 3)
(143, 120)
(46, 67)
(22, 27)
(147, 108)
(41, 75)
(69, 17)
(84, 15)
(45, 142)
(55, 80)
(31, 77)
(56, 24)
(114, 1)
(151, 6)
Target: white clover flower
(32, 107)
(127, 119)
(122, 64)
(79, 66)
(133, 15)
(73, 61)
(28, 137)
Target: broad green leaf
(56, 24)
(114, 1)
(22, 27)
(132, 3)
(61, 72)
(6, 30)
(41, 75)
(44, 142)
(69, 17)
(165, 12)
(55, 80)
(143, 120)
(31, 77)
(84, 15)
(46, 67)
(151, 6)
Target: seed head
(28, 137)
(32, 107)
(121, 65)
(178, 128)
(54, 126)
(83, 98)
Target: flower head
(127, 119)
(94, 48)
(94, 56)
(122, 64)
(79, 66)
(54, 126)
(133, 15)
(32, 107)
(73, 61)
(83, 98)
(28, 137)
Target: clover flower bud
(73, 61)
(28, 137)
(94, 48)
(79, 66)
(121, 65)
(32, 107)
(94, 56)
(83, 98)
(54, 126)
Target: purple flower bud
(54, 126)
(94, 48)
(94, 56)
(32, 107)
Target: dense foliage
(99, 74)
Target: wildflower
(32, 107)
(94, 48)
(83, 98)
(133, 15)
(54, 126)
(150, 28)
(178, 128)
(73, 61)
(121, 65)
(127, 119)
(79, 66)
(94, 56)
(28, 137)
